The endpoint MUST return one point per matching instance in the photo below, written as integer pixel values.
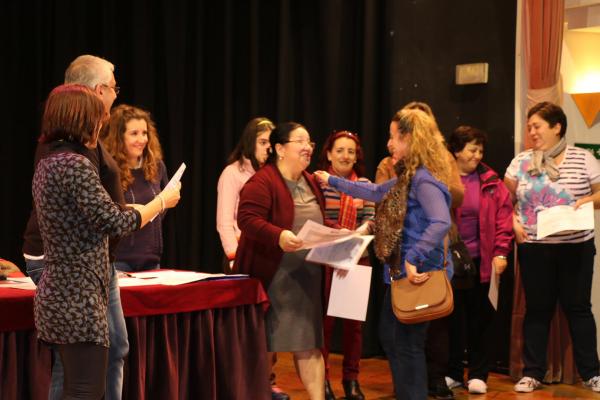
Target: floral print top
(578, 171)
(76, 216)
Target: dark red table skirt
(217, 351)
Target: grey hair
(90, 71)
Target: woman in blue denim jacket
(411, 225)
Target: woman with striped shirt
(342, 156)
(559, 266)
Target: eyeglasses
(117, 89)
(303, 142)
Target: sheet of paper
(316, 235)
(24, 283)
(170, 278)
(349, 296)
(564, 218)
(493, 291)
(342, 255)
(176, 178)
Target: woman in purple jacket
(484, 222)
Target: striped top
(365, 210)
(578, 171)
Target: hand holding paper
(564, 218)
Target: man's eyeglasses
(303, 142)
(115, 88)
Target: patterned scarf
(544, 161)
(389, 220)
(348, 212)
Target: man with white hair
(97, 74)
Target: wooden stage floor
(376, 383)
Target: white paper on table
(493, 291)
(349, 296)
(169, 277)
(316, 235)
(24, 283)
(565, 218)
(342, 255)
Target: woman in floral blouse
(76, 217)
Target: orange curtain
(542, 44)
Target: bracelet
(162, 203)
(501, 257)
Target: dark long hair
(246, 146)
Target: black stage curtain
(204, 68)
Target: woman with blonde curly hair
(411, 223)
(131, 138)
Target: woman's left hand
(582, 201)
(499, 264)
(413, 275)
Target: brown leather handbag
(413, 303)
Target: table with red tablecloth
(202, 340)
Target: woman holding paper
(274, 204)
(484, 222)
(557, 267)
(411, 223)
(131, 138)
(76, 216)
(342, 156)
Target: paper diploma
(565, 218)
(177, 177)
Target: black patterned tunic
(76, 216)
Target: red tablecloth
(203, 340)
(16, 311)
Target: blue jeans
(404, 346)
(125, 267)
(117, 332)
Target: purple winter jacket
(495, 219)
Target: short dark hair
(359, 166)
(246, 146)
(551, 113)
(72, 113)
(465, 134)
(281, 135)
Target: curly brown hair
(113, 139)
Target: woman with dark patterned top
(76, 217)
(131, 138)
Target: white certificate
(565, 218)
(349, 296)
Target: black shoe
(352, 390)
(441, 391)
(278, 394)
(328, 391)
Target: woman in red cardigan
(274, 204)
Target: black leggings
(85, 366)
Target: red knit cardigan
(266, 209)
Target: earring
(280, 158)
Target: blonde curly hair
(425, 149)
(112, 138)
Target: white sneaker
(527, 385)
(477, 386)
(593, 384)
(452, 384)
